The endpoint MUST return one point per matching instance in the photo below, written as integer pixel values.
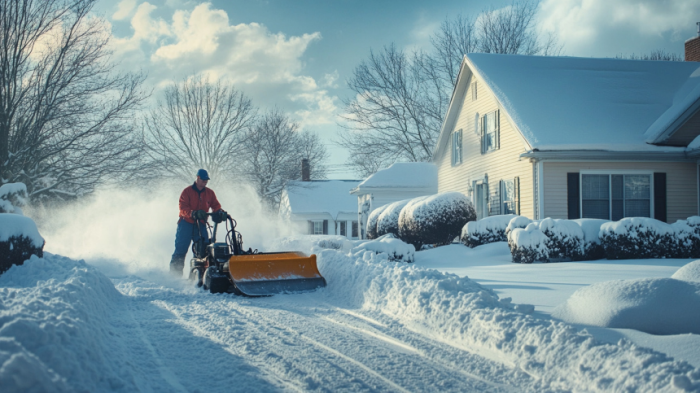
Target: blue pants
(185, 235)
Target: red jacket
(192, 199)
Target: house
(402, 180)
(567, 137)
(321, 207)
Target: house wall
(681, 185)
(502, 164)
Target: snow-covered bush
(564, 239)
(13, 196)
(592, 246)
(487, 230)
(517, 222)
(436, 219)
(528, 244)
(19, 239)
(388, 220)
(637, 238)
(687, 237)
(393, 248)
(372, 222)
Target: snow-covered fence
(487, 230)
(388, 221)
(528, 244)
(372, 222)
(436, 219)
(393, 248)
(564, 239)
(639, 237)
(13, 196)
(592, 246)
(19, 239)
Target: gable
(685, 133)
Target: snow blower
(226, 267)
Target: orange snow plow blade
(269, 273)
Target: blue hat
(203, 174)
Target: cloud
(605, 28)
(124, 9)
(267, 66)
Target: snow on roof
(616, 104)
(404, 175)
(322, 196)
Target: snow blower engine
(227, 268)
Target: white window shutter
(483, 134)
(497, 119)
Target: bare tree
(64, 111)
(274, 150)
(401, 98)
(659, 55)
(198, 125)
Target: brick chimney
(305, 170)
(692, 47)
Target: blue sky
(297, 55)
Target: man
(195, 202)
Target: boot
(177, 263)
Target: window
(474, 91)
(615, 196)
(318, 228)
(508, 197)
(457, 147)
(354, 229)
(343, 228)
(490, 132)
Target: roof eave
(610, 155)
(676, 124)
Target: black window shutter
(325, 227)
(573, 192)
(660, 196)
(311, 227)
(516, 196)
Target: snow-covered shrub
(637, 238)
(19, 239)
(487, 230)
(592, 246)
(436, 219)
(517, 222)
(528, 244)
(13, 196)
(395, 249)
(372, 222)
(687, 237)
(564, 239)
(388, 220)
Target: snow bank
(487, 230)
(459, 311)
(528, 244)
(435, 219)
(652, 305)
(372, 222)
(689, 272)
(388, 220)
(393, 248)
(55, 329)
(12, 197)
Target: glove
(199, 215)
(219, 216)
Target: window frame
(496, 132)
(610, 174)
(503, 201)
(319, 222)
(457, 149)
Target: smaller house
(321, 207)
(402, 180)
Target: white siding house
(402, 180)
(567, 137)
(321, 207)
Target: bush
(436, 219)
(19, 239)
(528, 244)
(592, 247)
(487, 230)
(393, 248)
(13, 196)
(372, 222)
(517, 222)
(687, 237)
(564, 239)
(639, 238)
(388, 221)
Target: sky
(297, 55)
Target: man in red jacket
(195, 202)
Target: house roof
(573, 103)
(321, 196)
(402, 175)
